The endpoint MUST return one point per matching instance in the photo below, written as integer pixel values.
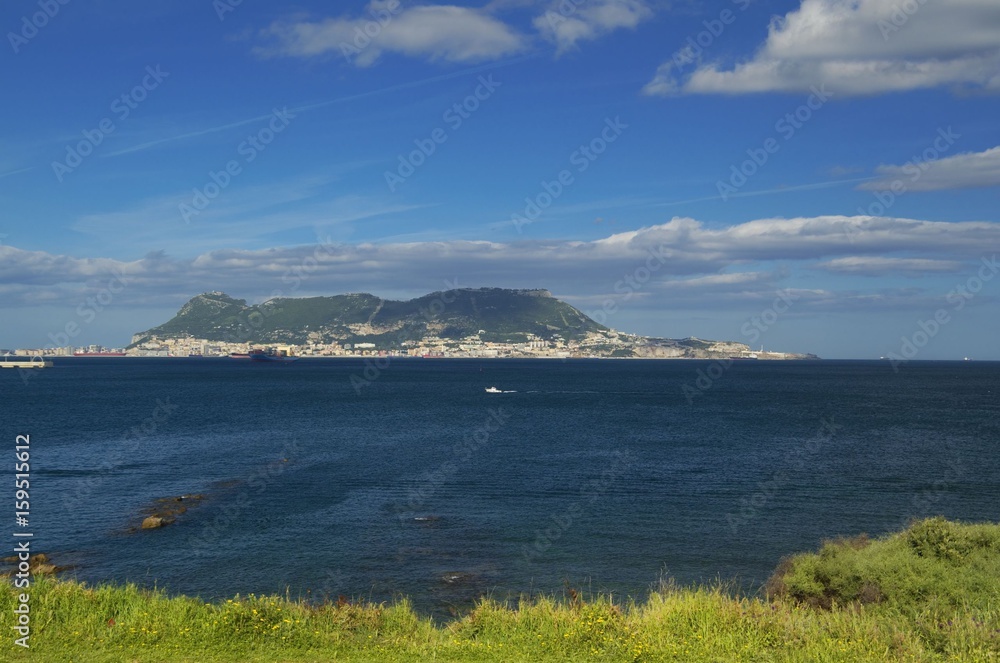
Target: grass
(931, 593)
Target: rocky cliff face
(493, 313)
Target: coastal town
(604, 344)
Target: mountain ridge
(456, 322)
(501, 314)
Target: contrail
(321, 104)
(764, 192)
(15, 172)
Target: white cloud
(685, 259)
(883, 266)
(566, 22)
(448, 32)
(435, 32)
(860, 47)
(962, 171)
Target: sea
(385, 478)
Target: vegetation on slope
(934, 562)
(213, 315)
(937, 601)
(504, 315)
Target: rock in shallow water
(155, 522)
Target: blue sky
(669, 168)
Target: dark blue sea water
(599, 474)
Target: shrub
(939, 539)
(934, 560)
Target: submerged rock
(155, 522)
(38, 565)
(165, 510)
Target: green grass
(931, 593)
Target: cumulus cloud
(685, 260)
(859, 47)
(434, 32)
(962, 171)
(447, 32)
(566, 22)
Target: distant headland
(467, 322)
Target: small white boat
(493, 390)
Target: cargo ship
(271, 356)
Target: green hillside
(499, 314)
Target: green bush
(936, 561)
(939, 539)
